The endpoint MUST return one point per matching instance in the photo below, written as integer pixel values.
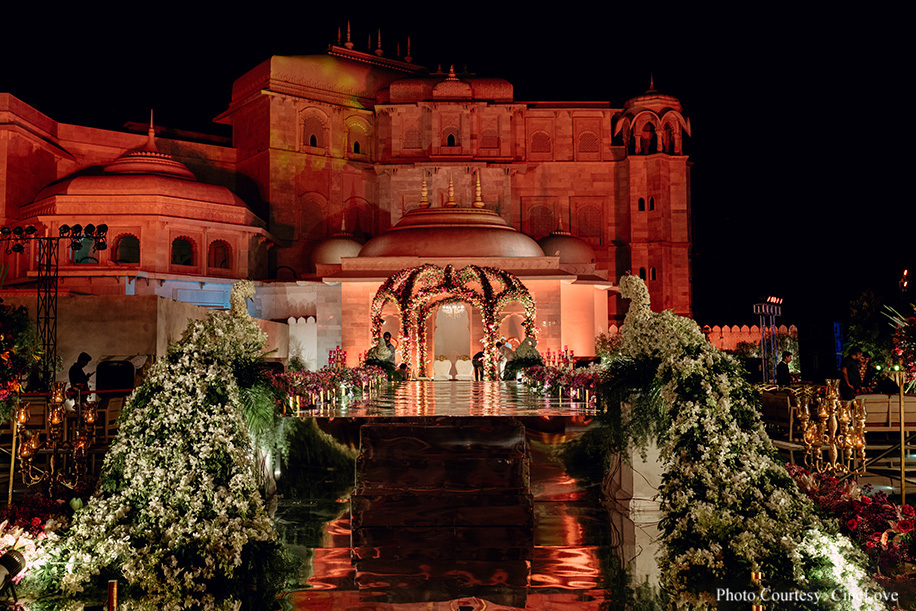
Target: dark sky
(801, 130)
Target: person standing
(850, 378)
(783, 377)
(79, 379)
(387, 337)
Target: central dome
(452, 232)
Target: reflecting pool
(457, 496)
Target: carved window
(651, 273)
(313, 131)
(127, 249)
(182, 251)
(489, 139)
(642, 274)
(540, 142)
(641, 205)
(651, 203)
(412, 138)
(451, 136)
(588, 142)
(219, 255)
(358, 139)
(588, 222)
(540, 221)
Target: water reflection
(453, 508)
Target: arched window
(649, 139)
(651, 273)
(358, 138)
(651, 203)
(641, 205)
(127, 249)
(642, 274)
(450, 136)
(540, 221)
(219, 255)
(588, 142)
(540, 142)
(356, 147)
(313, 131)
(182, 251)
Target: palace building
(344, 170)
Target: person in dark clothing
(783, 377)
(79, 379)
(477, 361)
(850, 378)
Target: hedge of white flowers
(177, 517)
(729, 505)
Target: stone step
(444, 509)
(448, 543)
(442, 473)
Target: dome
(654, 100)
(143, 172)
(452, 232)
(332, 250)
(569, 248)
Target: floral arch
(418, 291)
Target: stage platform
(452, 398)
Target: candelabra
(840, 426)
(67, 442)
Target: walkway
(456, 398)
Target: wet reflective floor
(456, 398)
(460, 500)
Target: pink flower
(853, 523)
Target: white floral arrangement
(177, 515)
(730, 506)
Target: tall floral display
(177, 516)
(19, 351)
(735, 523)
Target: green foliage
(869, 328)
(313, 460)
(19, 354)
(177, 518)
(729, 505)
(518, 364)
(391, 370)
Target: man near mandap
(783, 377)
(79, 379)
(850, 378)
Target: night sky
(802, 133)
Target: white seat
(465, 369)
(442, 370)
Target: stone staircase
(442, 505)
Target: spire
(451, 203)
(478, 200)
(349, 43)
(338, 36)
(424, 194)
(408, 58)
(378, 50)
(651, 82)
(151, 141)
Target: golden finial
(451, 203)
(349, 43)
(478, 199)
(424, 194)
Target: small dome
(452, 232)
(569, 248)
(332, 250)
(654, 100)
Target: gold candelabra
(70, 434)
(839, 429)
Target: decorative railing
(564, 382)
